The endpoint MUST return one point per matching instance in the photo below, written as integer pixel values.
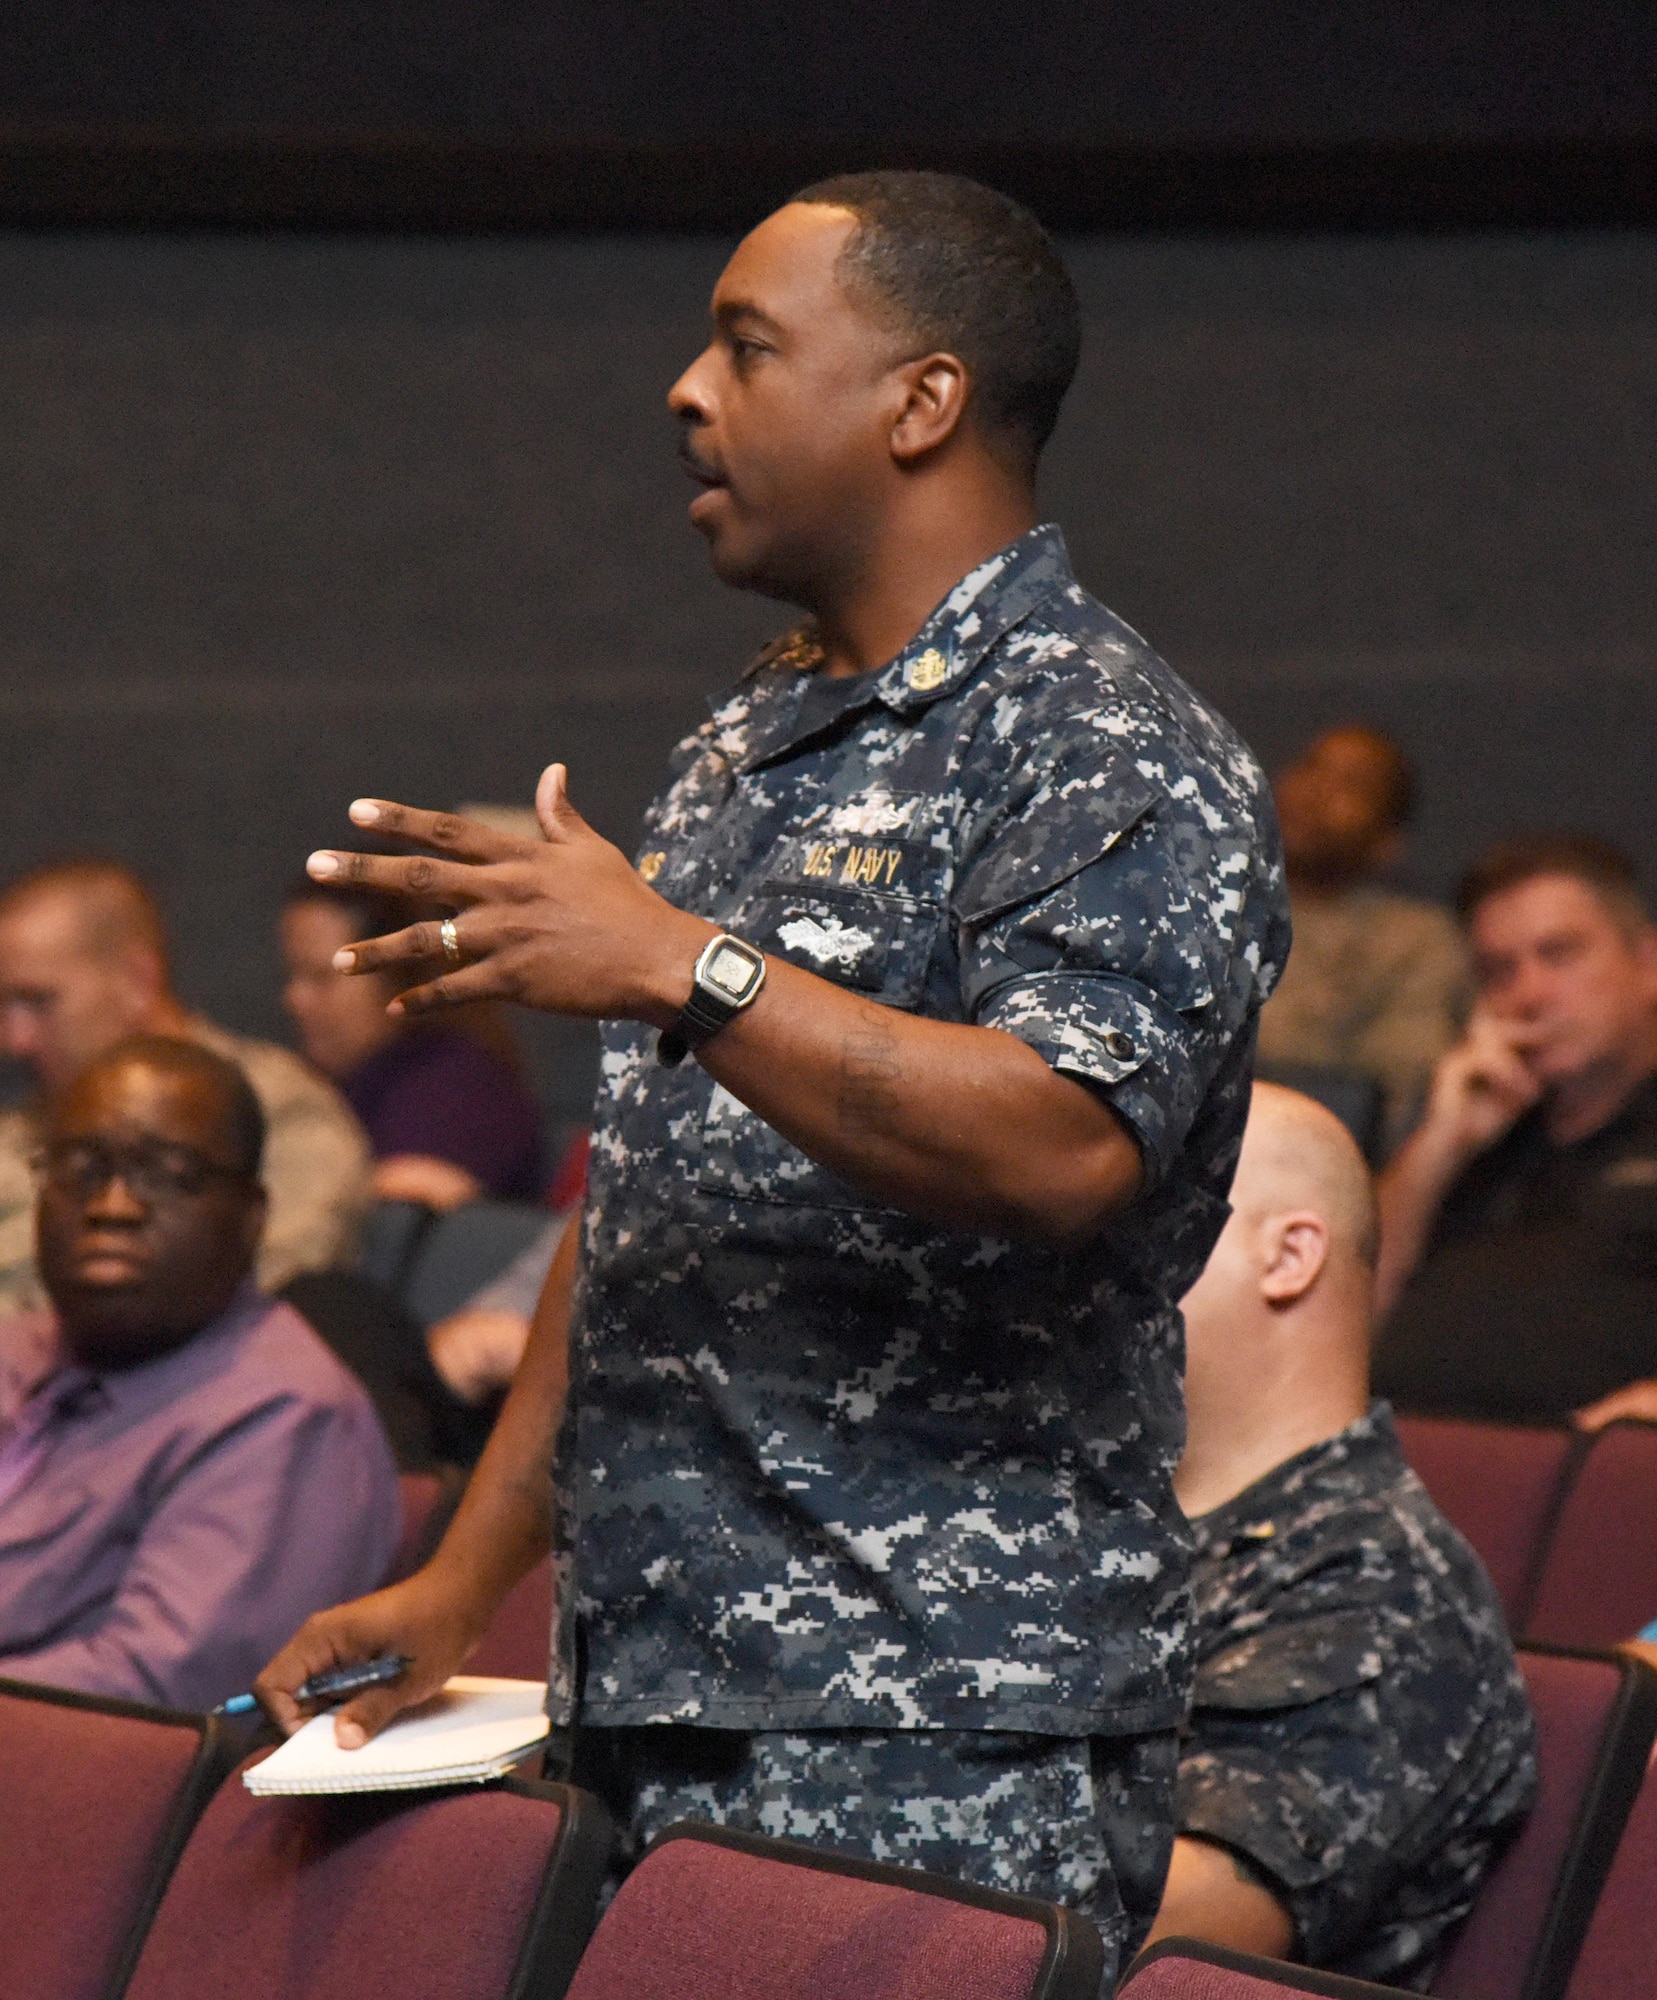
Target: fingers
(559, 819)
(326, 1640)
(420, 944)
(418, 875)
(483, 981)
(365, 1715)
(1635, 1401)
(464, 839)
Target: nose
(115, 1202)
(691, 399)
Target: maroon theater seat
(1596, 1719)
(96, 1799)
(1599, 1581)
(473, 1894)
(1618, 1960)
(1187, 1969)
(1502, 1485)
(428, 1501)
(714, 1915)
(518, 1644)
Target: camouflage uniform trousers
(1084, 1821)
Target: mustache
(695, 464)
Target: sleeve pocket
(1290, 1665)
(1055, 837)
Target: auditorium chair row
(134, 1865)
(1566, 1523)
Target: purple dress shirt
(165, 1528)
(437, 1091)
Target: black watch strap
(727, 978)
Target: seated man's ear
(1296, 1248)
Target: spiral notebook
(475, 1730)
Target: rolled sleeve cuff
(1117, 1036)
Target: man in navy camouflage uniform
(875, 1347)
(1361, 1744)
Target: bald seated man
(1360, 1744)
(83, 964)
(1377, 982)
(201, 1472)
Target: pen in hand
(333, 1684)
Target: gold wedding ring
(451, 940)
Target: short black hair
(967, 270)
(1595, 863)
(241, 1116)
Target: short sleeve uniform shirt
(836, 1466)
(1360, 1730)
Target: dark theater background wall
(333, 344)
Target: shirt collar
(151, 1382)
(981, 610)
(1327, 1469)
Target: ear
(1296, 1248)
(935, 398)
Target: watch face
(732, 972)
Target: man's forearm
(502, 1527)
(966, 1125)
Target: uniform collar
(948, 649)
(1326, 1470)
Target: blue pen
(333, 1684)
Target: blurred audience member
(476, 1350)
(1376, 982)
(84, 963)
(449, 1116)
(1360, 1742)
(1519, 1223)
(202, 1471)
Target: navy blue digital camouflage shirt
(1360, 1730)
(835, 1466)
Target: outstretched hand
(563, 924)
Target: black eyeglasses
(84, 1168)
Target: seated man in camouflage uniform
(875, 1350)
(1360, 1743)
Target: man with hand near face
(1519, 1223)
(200, 1472)
(929, 1007)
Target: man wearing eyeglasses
(201, 1472)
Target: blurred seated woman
(446, 1106)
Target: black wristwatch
(728, 977)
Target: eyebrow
(730, 311)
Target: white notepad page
(474, 1730)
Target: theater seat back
(1502, 1486)
(1186, 1969)
(96, 1799)
(518, 1643)
(475, 1894)
(1596, 1719)
(1599, 1582)
(714, 1915)
(1619, 1954)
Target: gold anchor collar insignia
(929, 671)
